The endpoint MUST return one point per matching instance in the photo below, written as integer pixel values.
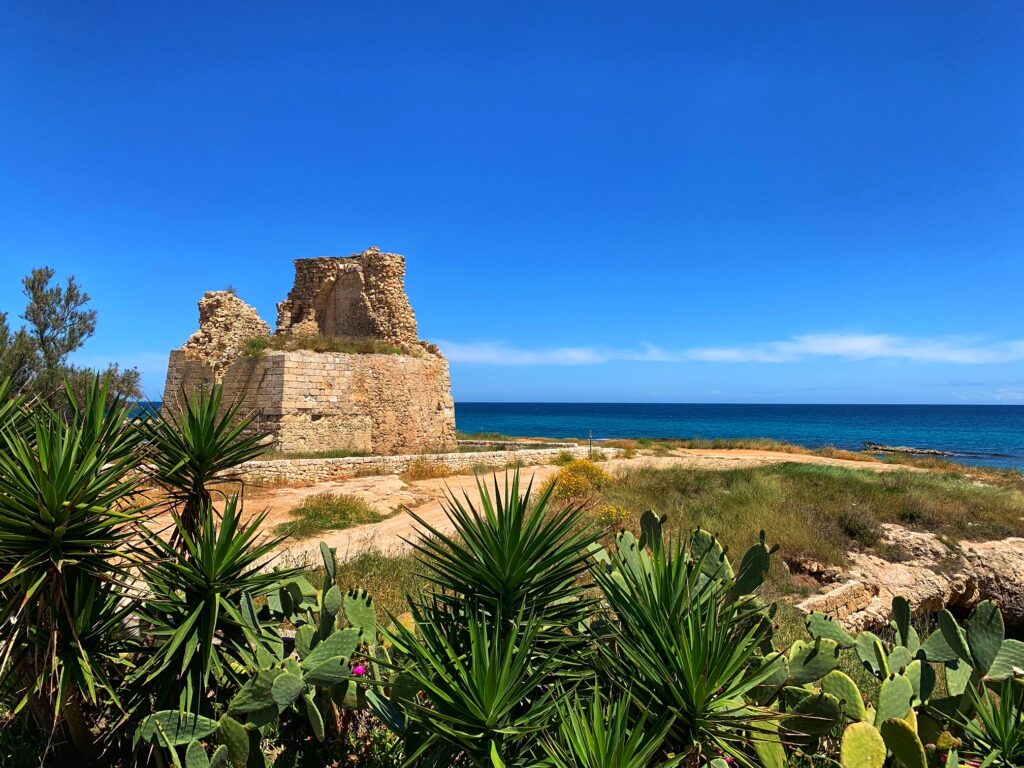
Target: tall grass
(818, 511)
(326, 512)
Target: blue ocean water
(989, 435)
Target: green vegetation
(819, 511)
(34, 358)
(521, 634)
(317, 343)
(665, 446)
(528, 644)
(326, 512)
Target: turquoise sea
(990, 435)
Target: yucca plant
(997, 735)
(195, 610)
(197, 444)
(513, 554)
(679, 641)
(67, 513)
(605, 733)
(481, 685)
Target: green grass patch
(819, 511)
(326, 512)
(348, 345)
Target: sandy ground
(390, 495)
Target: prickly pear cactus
(862, 747)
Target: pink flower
(359, 670)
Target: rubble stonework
(226, 323)
(324, 401)
(362, 296)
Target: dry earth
(389, 494)
(936, 573)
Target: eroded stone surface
(226, 323)
(327, 401)
(362, 295)
(933, 576)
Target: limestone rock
(362, 295)
(933, 575)
(226, 323)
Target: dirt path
(391, 495)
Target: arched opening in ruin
(342, 309)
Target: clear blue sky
(599, 201)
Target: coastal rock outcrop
(931, 573)
(226, 323)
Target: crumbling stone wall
(226, 323)
(362, 295)
(323, 401)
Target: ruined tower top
(361, 296)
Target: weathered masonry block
(362, 296)
(326, 401)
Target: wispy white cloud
(961, 350)
(501, 353)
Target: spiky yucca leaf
(681, 643)
(66, 517)
(201, 441)
(194, 612)
(997, 735)
(602, 733)
(513, 553)
(481, 683)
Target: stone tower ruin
(383, 402)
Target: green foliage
(66, 487)
(195, 611)
(200, 439)
(514, 555)
(480, 677)
(326, 511)
(348, 345)
(997, 735)
(602, 733)
(35, 357)
(682, 639)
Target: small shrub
(256, 346)
(629, 453)
(859, 525)
(612, 515)
(326, 512)
(564, 458)
(422, 469)
(598, 456)
(578, 480)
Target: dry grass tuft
(422, 469)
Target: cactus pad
(810, 662)
(902, 741)
(862, 747)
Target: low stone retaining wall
(308, 471)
